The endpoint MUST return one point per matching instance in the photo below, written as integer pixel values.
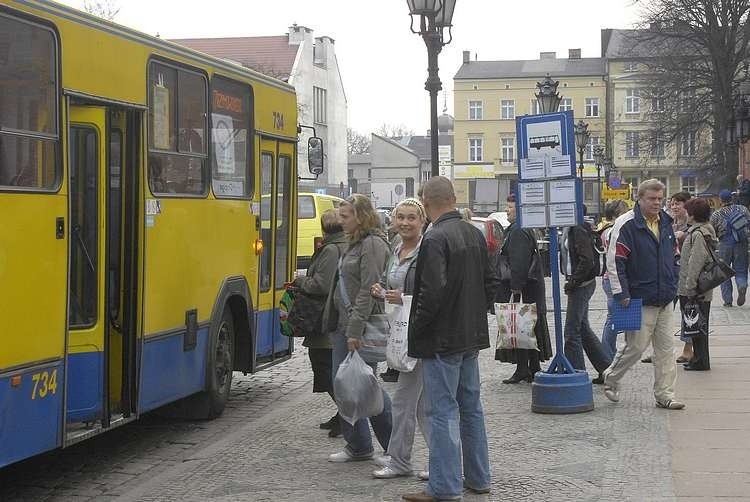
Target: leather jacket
(453, 288)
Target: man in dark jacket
(447, 328)
(580, 265)
(743, 191)
(642, 263)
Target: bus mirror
(315, 155)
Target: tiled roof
(270, 55)
(534, 68)
(625, 44)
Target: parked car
(309, 234)
(493, 232)
(502, 218)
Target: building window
(507, 150)
(475, 110)
(320, 105)
(631, 66)
(632, 144)
(535, 109)
(633, 181)
(589, 152)
(688, 184)
(475, 150)
(657, 104)
(592, 107)
(688, 144)
(687, 101)
(657, 144)
(633, 101)
(565, 105)
(507, 109)
(664, 181)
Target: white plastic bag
(515, 322)
(357, 391)
(396, 352)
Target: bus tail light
(258, 246)
(15, 380)
(317, 242)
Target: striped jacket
(639, 265)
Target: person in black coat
(527, 281)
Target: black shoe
(390, 375)
(598, 380)
(646, 360)
(741, 297)
(693, 367)
(335, 430)
(728, 304)
(516, 378)
(334, 420)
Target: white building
(310, 65)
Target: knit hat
(725, 195)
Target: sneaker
(611, 393)
(345, 456)
(670, 404)
(389, 472)
(423, 475)
(382, 460)
(741, 297)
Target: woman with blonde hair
(409, 218)
(348, 307)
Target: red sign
(228, 103)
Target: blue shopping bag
(627, 318)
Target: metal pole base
(561, 389)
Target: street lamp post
(582, 138)
(548, 98)
(599, 160)
(434, 21)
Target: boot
(328, 425)
(741, 296)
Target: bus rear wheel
(220, 364)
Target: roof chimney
(547, 55)
(574, 53)
(467, 56)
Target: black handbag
(714, 272)
(306, 314)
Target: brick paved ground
(267, 447)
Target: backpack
(737, 224)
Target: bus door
(100, 361)
(276, 231)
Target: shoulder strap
(708, 248)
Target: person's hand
(679, 234)
(625, 302)
(394, 296)
(353, 344)
(569, 287)
(377, 291)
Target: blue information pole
(551, 196)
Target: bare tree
(105, 9)
(356, 142)
(393, 130)
(694, 53)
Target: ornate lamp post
(434, 24)
(548, 98)
(582, 138)
(598, 160)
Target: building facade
(489, 95)
(310, 65)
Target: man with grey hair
(642, 262)
(454, 284)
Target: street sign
(616, 193)
(548, 187)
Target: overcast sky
(384, 65)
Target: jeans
(578, 333)
(454, 410)
(358, 437)
(609, 335)
(734, 255)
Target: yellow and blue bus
(138, 266)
